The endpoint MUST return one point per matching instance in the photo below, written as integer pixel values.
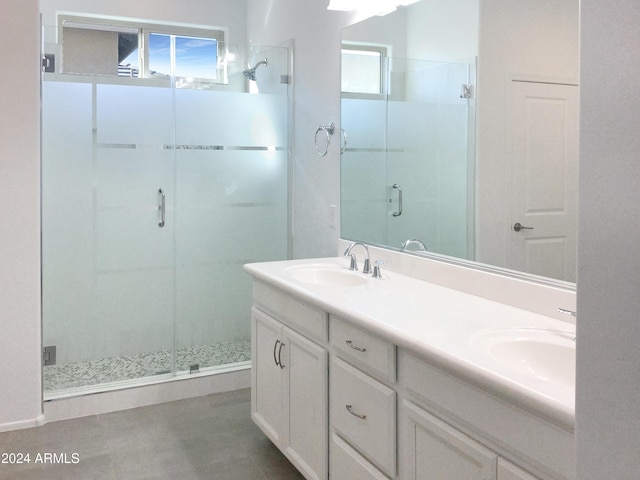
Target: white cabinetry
(433, 450)
(382, 412)
(289, 393)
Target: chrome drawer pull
(350, 410)
(360, 349)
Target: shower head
(250, 73)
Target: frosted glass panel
(417, 138)
(134, 115)
(365, 122)
(108, 267)
(230, 119)
(67, 213)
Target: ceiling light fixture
(372, 7)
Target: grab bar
(399, 188)
(161, 207)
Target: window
(98, 47)
(363, 69)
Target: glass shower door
(429, 161)
(408, 169)
(108, 257)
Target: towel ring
(329, 130)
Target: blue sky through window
(195, 57)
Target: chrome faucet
(366, 268)
(414, 241)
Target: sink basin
(327, 275)
(548, 355)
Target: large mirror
(461, 120)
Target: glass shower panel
(363, 171)
(231, 208)
(108, 281)
(427, 156)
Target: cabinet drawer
(300, 316)
(363, 349)
(347, 464)
(363, 411)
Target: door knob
(518, 226)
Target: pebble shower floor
(128, 367)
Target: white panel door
(306, 395)
(267, 402)
(543, 140)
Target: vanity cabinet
(289, 393)
(344, 403)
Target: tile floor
(127, 367)
(209, 437)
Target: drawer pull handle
(355, 347)
(350, 410)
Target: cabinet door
(508, 471)
(267, 402)
(306, 378)
(432, 450)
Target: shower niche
(154, 194)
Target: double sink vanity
(356, 377)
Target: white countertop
(438, 324)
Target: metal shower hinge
(49, 355)
(466, 91)
(48, 63)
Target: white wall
(450, 28)
(608, 327)
(524, 40)
(20, 398)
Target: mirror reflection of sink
(327, 275)
(546, 354)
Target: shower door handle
(162, 207)
(399, 188)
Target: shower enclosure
(154, 194)
(408, 171)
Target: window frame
(144, 29)
(383, 50)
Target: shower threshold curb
(133, 394)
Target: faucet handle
(376, 269)
(366, 268)
(353, 265)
